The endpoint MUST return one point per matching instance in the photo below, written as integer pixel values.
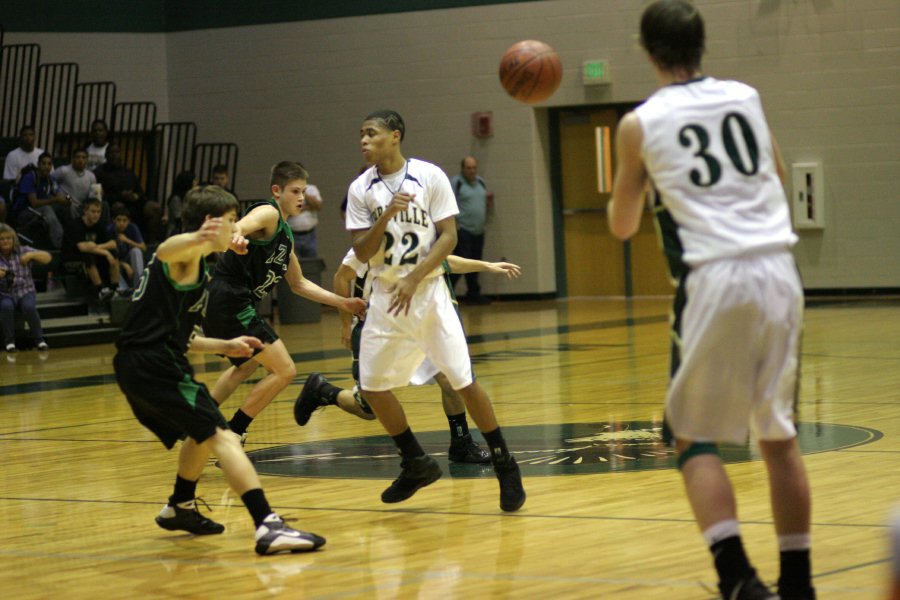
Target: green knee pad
(696, 449)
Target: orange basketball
(530, 71)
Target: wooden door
(596, 262)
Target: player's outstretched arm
(189, 247)
(263, 219)
(461, 266)
(239, 347)
(302, 286)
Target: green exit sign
(595, 72)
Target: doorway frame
(559, 240)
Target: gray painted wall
(135, 61)
(828, 72)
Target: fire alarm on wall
(482, 124)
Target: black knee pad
(696, 449)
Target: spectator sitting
(17, 287)
(38, 191)
(130, 248)
(96, 150)
(26, 154)
(171, 218)
(221, 178)
(77, 182)
(87, 247)
(121, 184)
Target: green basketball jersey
(163, 312)
(265, 263)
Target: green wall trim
(76, 16)
(559, 233)
(161, 16)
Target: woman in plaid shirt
(17, 287)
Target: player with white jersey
(401, 213)
(705, 146)
(736, 220)
(353, 278)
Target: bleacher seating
(61, 108)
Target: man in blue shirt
(474, 200)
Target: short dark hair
(673, 34)
(203, 201)
(26, 127)
(120, 210)
(220, 169)
(101, 121)
(79, 151)
(91, 201)
(287, 171)
(391, 120)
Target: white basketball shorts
(393, 347)
(740, 351)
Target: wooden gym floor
(577, 386)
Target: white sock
(794, 541)
(722, 530)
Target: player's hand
(346, 337)
(504, 268)
(242, 347)
(354, 306)
(401, 296)
(239, 244)
(399, 203)
(209, 231)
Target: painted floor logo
(561, 449)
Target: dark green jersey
(163, 312)
(265, 263)
(667, 231)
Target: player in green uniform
(240, 281)
(158, 381)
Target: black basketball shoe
(466, 450)
(808, 594)
(309, 399)
(273, 536)
(176, 518)
(416, 474)
(512, 494)
(750, 588)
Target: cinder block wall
(136, 62)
